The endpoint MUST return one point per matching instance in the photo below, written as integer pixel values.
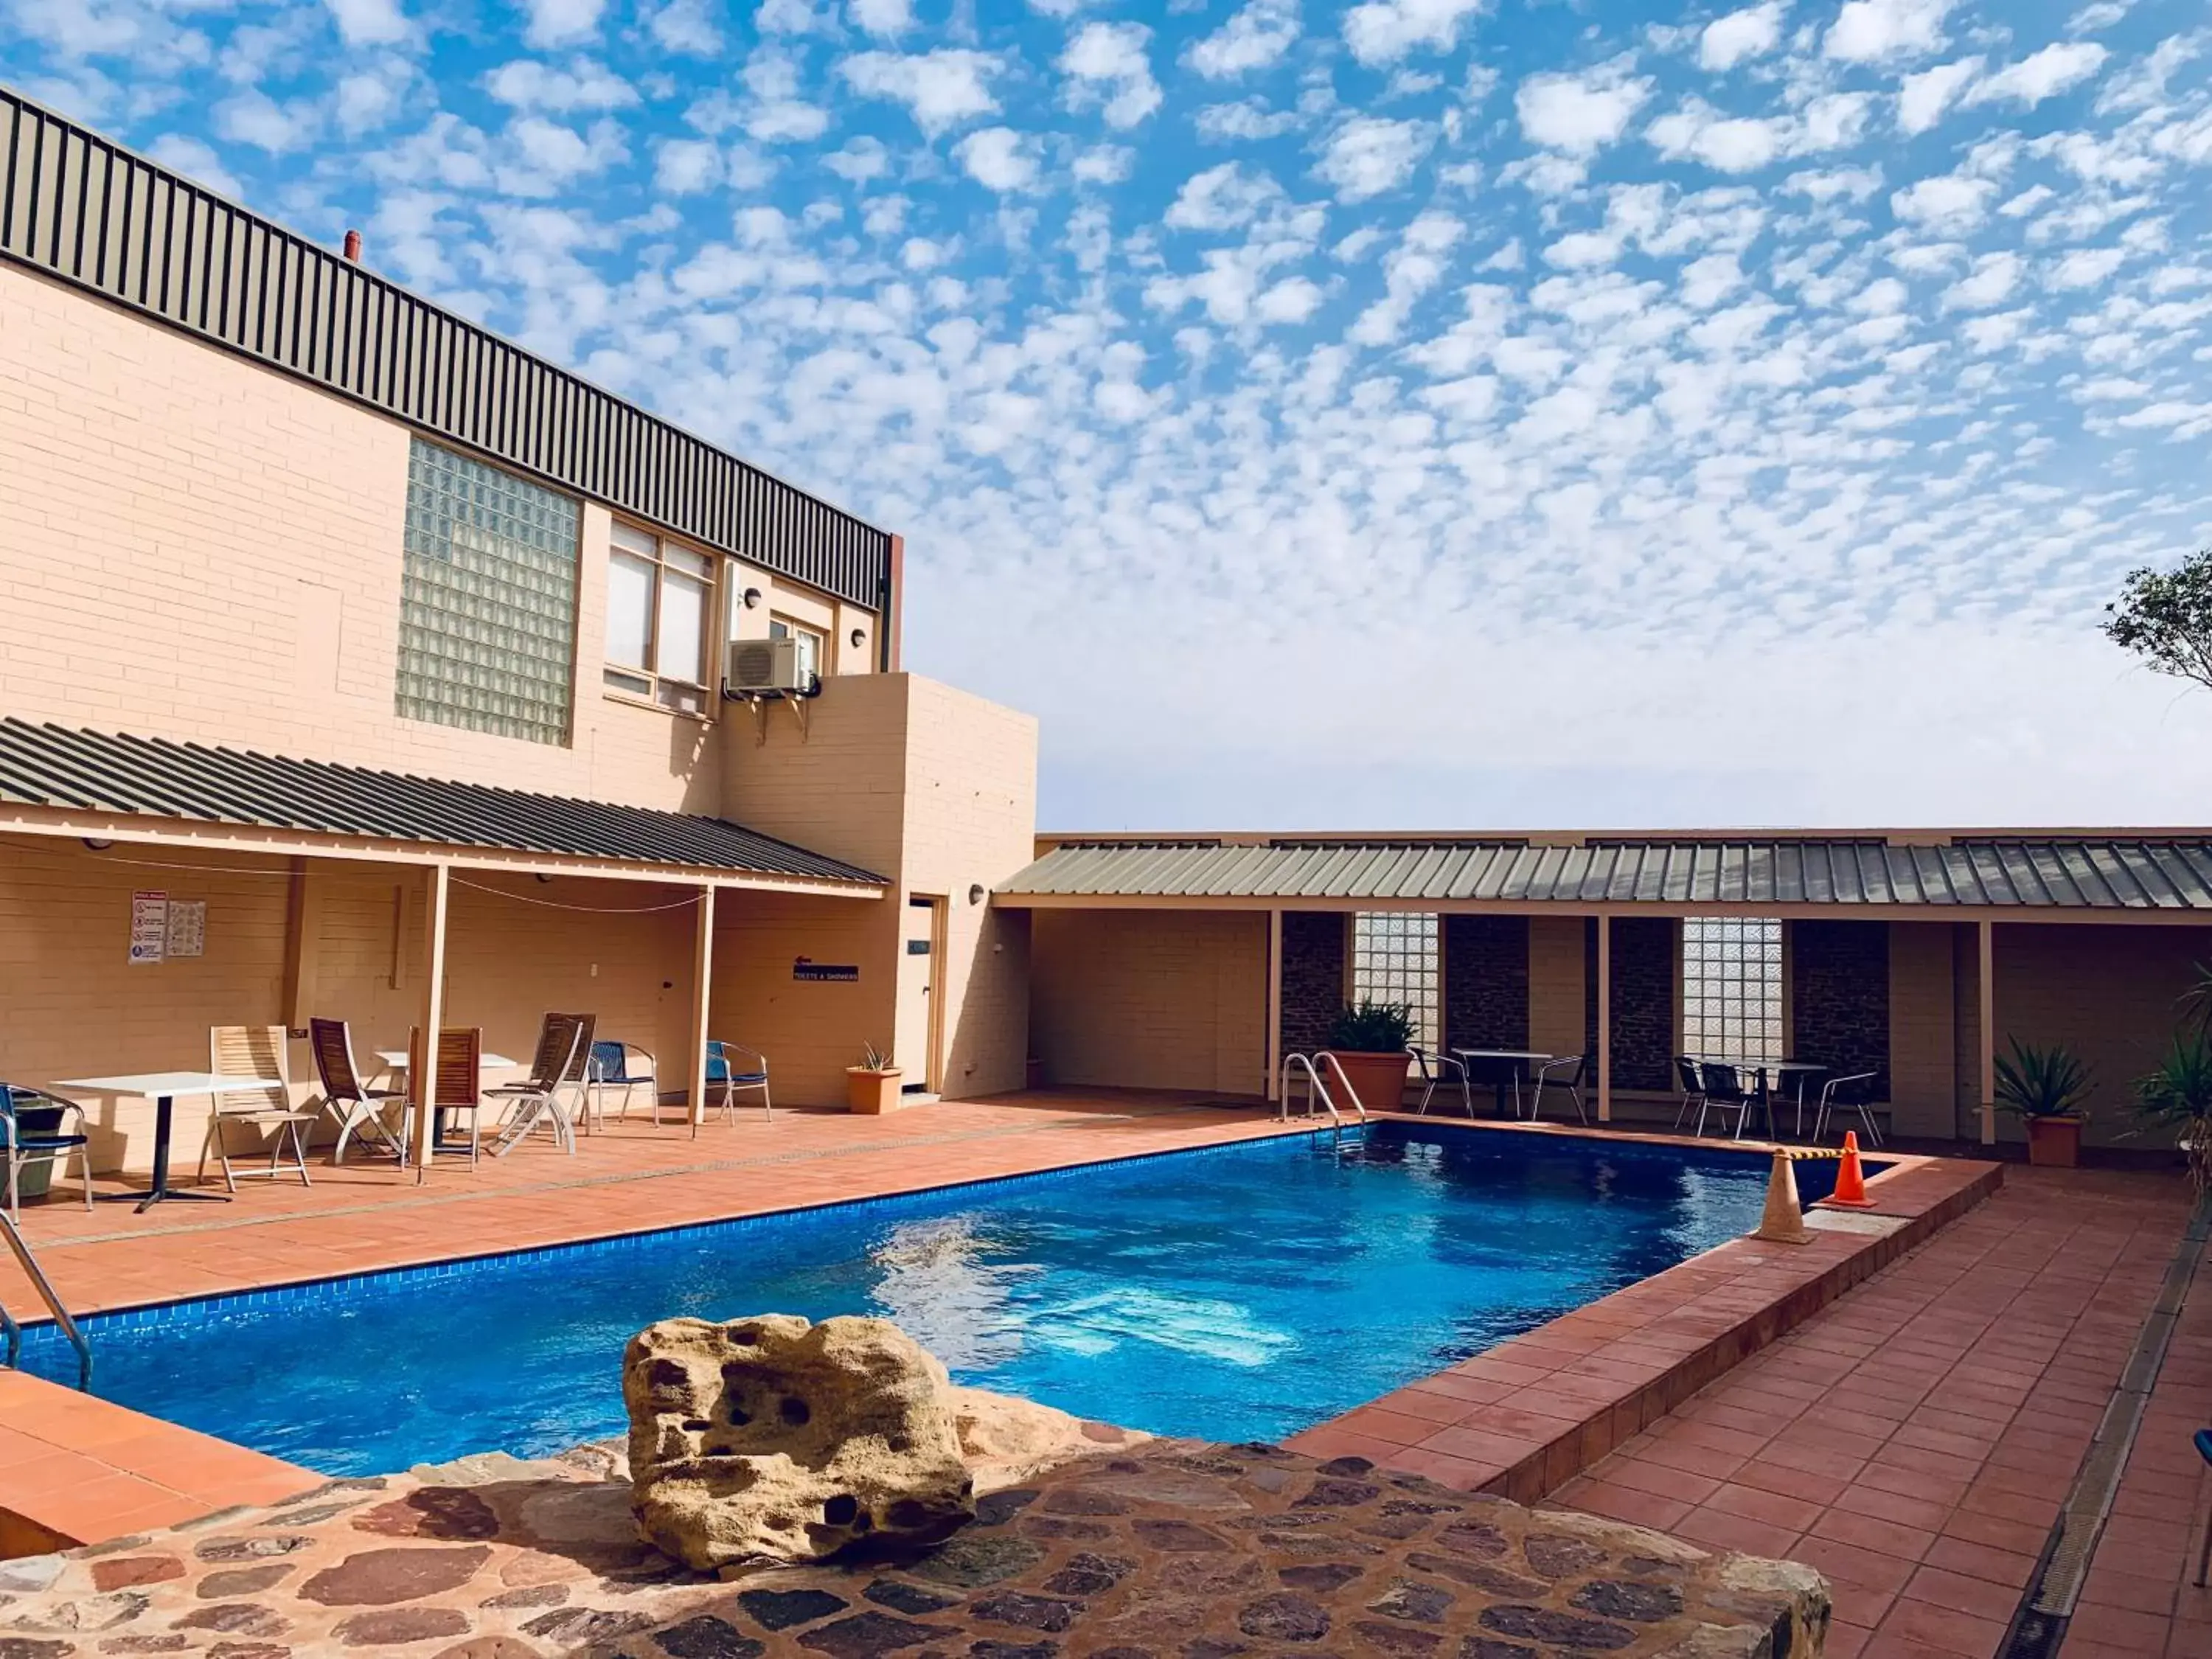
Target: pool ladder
(1302, 1067)
(36, 1274)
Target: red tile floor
(1914, 1441)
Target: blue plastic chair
(622, 1066)
(2203, 1444)
(24, 1143)
(731, 1066)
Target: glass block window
(488, 600)
(1732, 988)
(1393, 959)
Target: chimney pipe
(353, 246)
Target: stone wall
(1313, 977)
(1840, 999)
(1647, 953)
(1485, 963)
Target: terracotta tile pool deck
(1964, 1378)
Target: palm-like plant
(2177, 1095)
(2033, 1083)
(1373, 1028)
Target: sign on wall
(150, 927)
(187, 927)
(806, 967)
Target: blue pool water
(1236, 1293)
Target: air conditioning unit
(765, 665)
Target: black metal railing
(78, 207)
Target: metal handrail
(1344, 1078)
(1316, 1090)
(36, 1274)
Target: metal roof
(46, 765)
(2102, 872)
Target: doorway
(920, 947)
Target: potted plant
(1369, 1041)
(2044, 1088)
(872, 1086)
(2177, 1095)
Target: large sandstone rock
(771, 1439)
(1007, 1441)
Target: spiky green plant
(874, 1059)
(2033, 1083)
(2177, 1095)
(1372, 1027)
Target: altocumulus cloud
(1509, 413)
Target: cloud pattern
(1641, 413)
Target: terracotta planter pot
(1380, 1079)
(873, 1093)
(2054, 1143)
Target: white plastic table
(395, 1059)
(163, 1088)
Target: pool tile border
(1526, 1416)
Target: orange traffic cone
(1850, 1180)
(1784, 1220)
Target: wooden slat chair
(460, 1079)
(358, 1109)
(539, 1098)
(256, 1051)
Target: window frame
(1421, 928)
(1733, 990)
(793, 628)
(649, 687)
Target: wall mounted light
(544, 879)
(752, 597)
(859, 638)
(95, 844)
(975, 893)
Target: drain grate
(2038, 1626)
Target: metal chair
(256, 1051)
(540, 1098)
(1724, 1091)
(1573, 1065)
(727, 1071)
(460, 1070)
(616, 1065)
(1693, 1088)
(358, 1109)
(25, 1143)
(2203, 1441)
(1433, 1067)
(1846, 1094)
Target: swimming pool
(1236, 1293)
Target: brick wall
(1485, 970)
(1840, 999)
(1312, 976)
(1647, 954)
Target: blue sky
(1410, 414)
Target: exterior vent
(765, 665)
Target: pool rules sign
(149, 929)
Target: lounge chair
(459, 1075)
(541, 1099)
(256, 1051)
(358, 1109)
(23, 1143)
(626, 1067)
(731, 1066)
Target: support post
(431, 1017)
(1987, 1033)
(1274, 1003)
(1605, 1019)
(702, 988)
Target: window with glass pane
(1393, 959)
(1732, 988)
(487, 599)
(810, 652)
(657, 594)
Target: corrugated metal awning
(2101, 873)
(52, 766)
